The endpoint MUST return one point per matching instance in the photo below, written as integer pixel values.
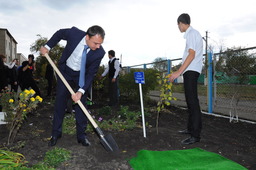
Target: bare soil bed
(235, 141)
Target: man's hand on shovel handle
(77, 96)
(43, 51)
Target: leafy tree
(41, 61)
(220, 63)
(100, 86)
(176, 67)
(130, 89)
(165, 94)
(237, 62)
(160, 64)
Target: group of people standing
(81, 59)
(8, 74)
(17, 75)
(25, 75)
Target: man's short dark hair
(184, 18)
(111, 52)
(94, 30)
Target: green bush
(122, 120)
(105, 110)
(130, 89)
(126, 114)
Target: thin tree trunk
(157, 120)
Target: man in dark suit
(70, 65)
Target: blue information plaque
(139, 77)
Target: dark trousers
(14, 87)
(49, 87)
(62, 96)
(195, 115)
(113, 92)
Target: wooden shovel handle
(71, 90)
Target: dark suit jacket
(25, 78)
(73, 36)
(3, 77)
(13, 74)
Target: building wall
(13, 50)
(2, 42)
(21, 58)
(8, 45)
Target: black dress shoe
(53, 140)
(190, 140)
(85, 142)
(185, 131)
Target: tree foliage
(160, 64)
(165, 97)
(237, 62)
(130, 89)
(55, 54)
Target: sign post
(139, 78)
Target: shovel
(107, 141)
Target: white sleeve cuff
(48, 48)
(81, 90)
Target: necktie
(83, 67)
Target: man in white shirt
(113, 72)
(191, 68)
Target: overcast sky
(140, 30)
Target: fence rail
(227, 83)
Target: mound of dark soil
(235, 141)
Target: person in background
(3, 73)
(31, 63)
(113, 71)
(14, 76)
(192, 63)
(25, 78)
(9, 66)
(78, 64)
(3, 76)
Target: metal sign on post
(139, 78)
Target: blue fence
(225, 93)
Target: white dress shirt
(75, 59)
(116, 65)
(194, 41)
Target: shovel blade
(109, 143)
